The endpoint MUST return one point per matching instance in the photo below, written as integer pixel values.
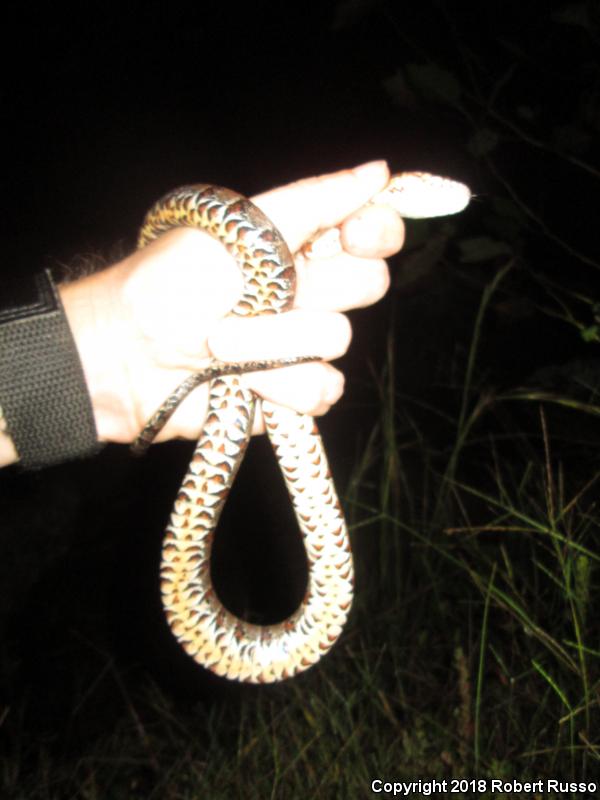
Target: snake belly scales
(208, 632)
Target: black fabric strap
(43, 393)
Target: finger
(373, 232)
(300, 209)
(341, 283)
(295, 333)
(306, 388)
(188, 417)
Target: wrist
(91, 305)
(47, 415)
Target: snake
(214, 637)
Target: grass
(473, 649)
(474, 646)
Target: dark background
(104, 110)
(107, 110)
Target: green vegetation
(474, 646)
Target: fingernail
(375, 171)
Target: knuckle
(381, 280)
(335, 386)
(339, 334)
(325, 389)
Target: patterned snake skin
(209, 633)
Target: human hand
(144, 324)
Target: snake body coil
(206, 630)
(209, 633)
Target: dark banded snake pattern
(209, 633)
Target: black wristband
(43, 393)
